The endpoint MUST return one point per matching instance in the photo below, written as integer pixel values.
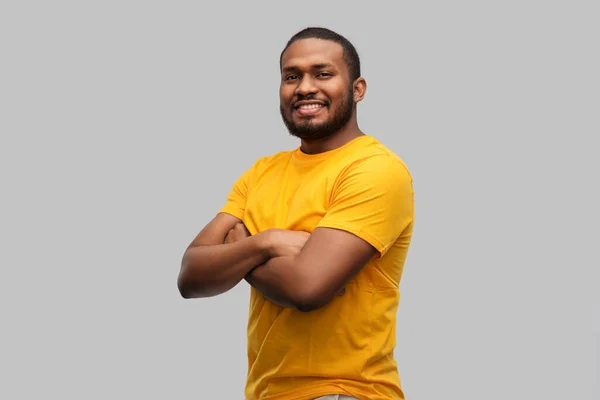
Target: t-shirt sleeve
(235, 203)
(372, 199)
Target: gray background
(124, 124)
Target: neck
(350, 132)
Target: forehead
(306, 52)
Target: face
(316, 94)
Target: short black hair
(350, 54)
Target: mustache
(309, 97)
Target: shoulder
(376, 161)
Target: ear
(360, 88)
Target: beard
(310, 130)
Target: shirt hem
(381, 249)
(232, 212)
(326, 390)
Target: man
(321, 234)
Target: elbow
(184, 284)
(184, 287)
(185, 293)
(196, 286)
(309, 305)
(311, 300)
(190, 283)
(189, 288)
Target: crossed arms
(292, 269)
(372, 198)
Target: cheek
(285, 95)
(336, 94)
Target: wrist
(266, 242)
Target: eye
(323, 75)
(290, 77)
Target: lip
(309, 111)
(307, 102)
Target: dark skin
(292, 269)
(240, 232)
(314, 67)
(209, 267)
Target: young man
(321, 234)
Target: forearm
(211, 270)
(280, 281)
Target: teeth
(310, 106)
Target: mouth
(305, 108)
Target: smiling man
(321, 233)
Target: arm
(209, 267)
(329, 259)
(289, 245)
(371, 206)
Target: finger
(242, 229)
(242, 226)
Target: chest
(289, 198)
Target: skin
(240, 232)
(316, 69)
(292, 269)
(210, 267)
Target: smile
(309, 109)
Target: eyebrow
(313, 67)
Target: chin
(316, 134)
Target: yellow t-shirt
(346, 346)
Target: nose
(306, 86)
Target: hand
(238, 232)
(284, 243)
